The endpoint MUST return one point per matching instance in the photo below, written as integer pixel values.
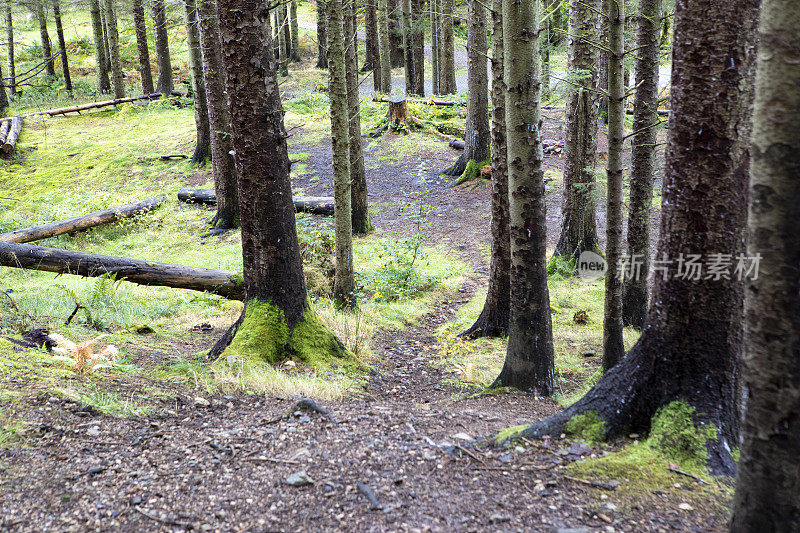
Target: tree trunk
(529, 363)
(544, 50)
(602, 65)
(418, 46)
(613, 345)
(106, 49)
(476, 147)
(691, 344)
(277, 321)
(141, 45)
(408, 46)
(344, 281)
(103, 82)
(373, 59)
(46, 48)
(295, 31)
(280, 24)
(164, 84)
(384, 48)
(493, 320)
(447, 67)
(322, 35)
(62, 47)
(12, 71)
(113, 47)
(434, 47)
(396, 33)
(202, 150)
(286, 36)
(358, 177)
(3, 95)
(643, 151)
(578, 227)
(768, 483)
(13, 135)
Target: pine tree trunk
(529, 363)
(493, 320)
(447, 75)
(434, 47)
(418, 46)
(277, 322)
(373, 59)
(358, 176)
(3, 95)
(643, 151)
(476, 141)
(322, 35)
(287, 31)
(408, 46)
(46, 48)
(62, 47)
(202, 150)
(544, 50)
(295, 31)
(103, 82)
(280, 27)
(384, 48)
(578, 227)
(396, 33)
(691, 343)
(106, 49)
(113, 47)
(602, 65)
(141, 45)
(219, 119)
(344, 282)
(164, 84)
(12, 71)
(613, 345)
(768, 482)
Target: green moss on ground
(507, 435)
(472, 171)
(588, 427)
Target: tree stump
(398, 117)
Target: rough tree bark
(277, 321)
(295, 31)
(396, 33)
(408, 46)
(578, 227)
(373, 58)
(435, 46)
(643, 151)
(106, 49)
(164, 84)
(12, 71)
(418, 46)
(322, 34)
(103, 82)
(62, 47)
(141, 46)
(529, 363)
(3, 95)
(219, 119)
(691, 343)
(768, 483)
(384, 48)
(476, 147)
(358, 176)
(613, 344)
(113, 48)
(447, 67)
(344, 281)
(46, 48)
(493, 320)
(202, 150)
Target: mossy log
(13, 135)
(97, 105)
(81, 222)
(431, 101)
(316, 205)
(26, 256)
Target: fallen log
(660, 112)
(316, 205)
(458, 144)
(4, 127)
(81, 222)
(430, 101)
(96, 105)
(13, 135)
(222, 282)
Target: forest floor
(138, 449)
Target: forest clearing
(399, 265)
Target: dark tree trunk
(768, 482)
(643, 151)
(372, 44)
(408, 46)
(529, 363)
(322, 34)
(447, 61)
(578, 227)
(396, 33)
(384, 47)
(493, 320)
(3, 95)
(418, 46)
(602, 65)
(435, 46)
(103, 82)
(219, 119)
(276, 303)
(106, 49)
(164, 84)
(544, 51)
(287, 31)
(691, 343)
(113, 48)
(46, 48)
(12, 71)
(62, 47)
(295, 31)
(141, 45)
(476, 147)
(202, 150)
(358, 176)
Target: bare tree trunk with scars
(529, 363)
(493, 320)
(643, 151)
(578, 226)
(384, 48)
(141, 45)
(103, 82)
(202, 149)
(62, 46)
(691, 343)
(322, 34)
(164, 83)
(113, 48)
(277, 321)
(768, 482)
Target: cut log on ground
(97, 105)
(81, 222)
(221, 282)
(315, 205)
(458, 144)
(4, 127)
(431, 101)
(13, 135)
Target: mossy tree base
(466, 170)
